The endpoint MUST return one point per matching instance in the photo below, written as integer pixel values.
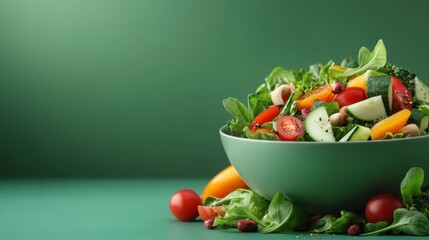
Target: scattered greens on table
(282, 215)
(377, 74)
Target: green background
(135, 88)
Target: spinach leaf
(283, 215)
(406, 221)
(411, 185)
(233, 214)
(240, 204)
(331, 224)
(368, 60)
(242, 116)
(323, 224)
(371, 227)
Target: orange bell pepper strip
(359, 81)
(323, 93)
(223, 183)
(392, 124)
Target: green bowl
(325, 177)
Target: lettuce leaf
(368, 60)
(242, 116)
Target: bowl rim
(224, 132)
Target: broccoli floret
(404, 75)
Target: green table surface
(111, 209)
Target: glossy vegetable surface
(184, 204)
(323, 93)
(350, 95)
(223, 183)
(381, 208)
(390, 124)
(289, 128)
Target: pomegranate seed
(337, 87)
(305, 112)
(209, 224)
(353, 229)
(247, 226)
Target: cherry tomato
(268, 115)
(381, 207)
(209, 213)
(401, 96)
(184, 204)
(350, 95)
(289, 128)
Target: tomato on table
(401, 96)
(350, 95)
(381, 207)
(289, 128)
(266, 116)
(184, 204)
(210, 213)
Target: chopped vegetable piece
(391, 124)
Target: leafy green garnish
(372, 227)
(242, 115)
(411, 185)
(331, 107)
(289, 107)
(349, 62)
(332, 224)
(340, 132)
(406, 221)
(283, 215)
(278, 77)
(259, 101)
(424, 108)
(368, 60)
(240, 204)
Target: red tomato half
(401, 96)
(209, 213)
(289, 128)
(268, 115)
(350, 95)
(184, 205)
(381, 208)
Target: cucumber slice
(358, 133)
(420, 118)
(367, 110)
(318, 126)
(380, 85)
(421, 92)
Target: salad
(364, 100)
